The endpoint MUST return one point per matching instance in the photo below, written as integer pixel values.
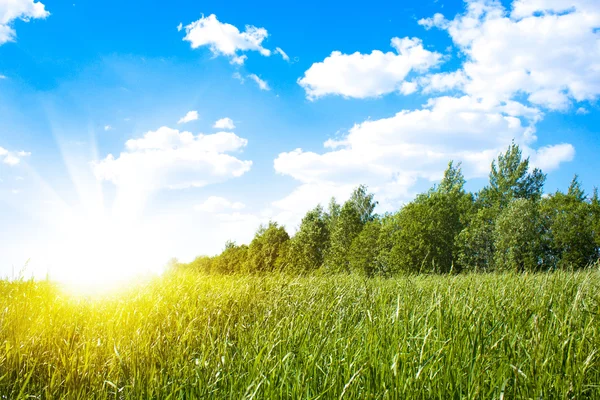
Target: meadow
(186, 335)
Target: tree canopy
(509, 225)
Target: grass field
(189, 336)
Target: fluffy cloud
(12, 158)
(226, 39)
(11, 10)
(392, 154)
(168, 158)
(224, 123)
(368, 75)
(190, 116)
(548, 50)
(219, 204)
(263, 85)
(548, 158)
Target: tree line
(509, 225)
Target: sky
(132, 133)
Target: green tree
(569, 223)
(428, 226)
(518, 232)
(307, 249)
(475, 243)
(387, 256)
(332, 214)
(364, 251)
(232, 259)
(347, 227)
(510, 179)
(202, 264)
(364, 203)
(266, 247)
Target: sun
(98, 252)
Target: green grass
(189, 336)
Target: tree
(202, 264)
(332, 214)
(232, 259)
(347, 227)
(363, 201)
(475, 243)
(307, 249)
(364, 251)
(389, 231)
(569, 223)
(518, 233)
(510, 179)
(266, 247)
(429, 225)
(453, 180)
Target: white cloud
(107, 127)
(517, 64)
(391, 154)
(239, 60)
(437, 20)
(190, 116)
(548, 50)
(408, 87)
(224, 123)
(368, 75)
(12, 158)
(226, 39)
(263, 85)
(443, 82)
(548, 158)
(11, 10)
(282, 53)
(219, 204)
(179, 27)
(582, 111)
(2, 76)
(168, 158)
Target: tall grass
(190, 336)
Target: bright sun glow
(100, 252)
(95, 241)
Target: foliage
(426, 240)
(508, 225)
(363, 256)
(569, 220)
(231, 260)
(347, 227)
(265, 248)
(518, 231)
(510, 179)
(363, 201)
(307, 249)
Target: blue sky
(99, 163)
